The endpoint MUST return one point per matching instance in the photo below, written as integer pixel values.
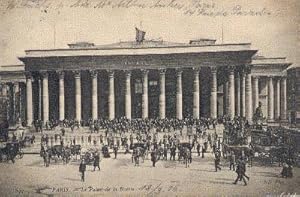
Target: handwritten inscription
(148, 189)
(209, 8)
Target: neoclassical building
(152, 79)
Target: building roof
(269, 66)
(12, 68)
(133, 48)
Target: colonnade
(12, 91)
(242, 93)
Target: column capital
(76, 73)
(28, 75)
(196, 69)
(213, 69)
(15, 83)
(111, 73)
(127, 72)
(178, 71)
(231, 69)
(162, 71)
(44, 74)
(144, 71)
(278, 78)
(247, 69)
(94, 73)
(61, 74)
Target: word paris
(208, 8)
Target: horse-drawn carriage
(185, 153)
(57, 152)
(139, 151)
(89, 155)
(10, 151)
(274, 145)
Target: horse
(10, 151)
(75, 150)
(57, 150)
(66, 155)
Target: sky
(272, 26)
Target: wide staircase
(81, 136)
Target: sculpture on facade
(258, 117)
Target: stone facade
(151, 80)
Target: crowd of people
(125, 134)
(124, 124)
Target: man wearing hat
(82, 169)
(97, 161)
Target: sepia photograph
(150, 98)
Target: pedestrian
(82, 169)
(198, 149)
(126, 146)
(165, 153)
(153, 157)
(203, 151)
(217, 161)
(97, 161)
(240, 173)
(115, 151)
(232, 161)
(63, 132)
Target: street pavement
(119, 177)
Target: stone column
(196, 94)
(4, 89)
(238, 95)
(16, 102)
(45, 96)
(77, 95)
(270, 99)
(21, 114)
(111, 95)
(179, 94)
(255, 93)
(162, 95)
(9, 102)
(145, 95)
(128, 94)
(248, 95)
(213, 93)
(29, 103)
(243, 94)
(277, 99)
(225, 98)
(40, 99)
(283, 101)
(231, 97)
(61, 103)
(94, 76)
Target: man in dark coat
(198, 148)
(115, 151)
(96, 161)
(165, 153)
(240, 170)
(217, 161)
(232, 161)
(153, 157)
(82, 169)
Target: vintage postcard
(149, 98)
